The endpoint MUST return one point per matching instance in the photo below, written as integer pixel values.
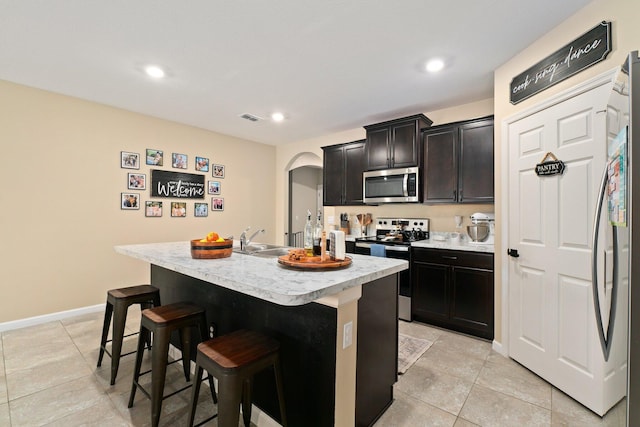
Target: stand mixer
(488, 219)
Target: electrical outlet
(347, 335)
(213, 330)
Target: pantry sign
(585, 51)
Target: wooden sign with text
(585, 51)
(178, 185)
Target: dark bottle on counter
(317, 236)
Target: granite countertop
(442, 240)
(265, 278)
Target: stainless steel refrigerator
(616, 267)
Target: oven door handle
(394, 248)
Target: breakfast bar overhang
(327, 381)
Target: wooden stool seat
(233, 359)
(118, 302)
(161, 322)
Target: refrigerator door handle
(605, 339)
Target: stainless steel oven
(396, 235)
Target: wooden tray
(313, 262)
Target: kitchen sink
(264, 250)
(273, 252)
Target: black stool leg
(144, 306)
(119, 320)
(229, 397)
(185, 339)
(194, 394)
(159, 355)
(247, 388)
(108, 311)
(144, 335)
(278, 373)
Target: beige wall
(626, 37)
(60, 197)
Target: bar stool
(233, 359)
(118, 302)
(161, 321)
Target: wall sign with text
(585, 51)
(177, 185)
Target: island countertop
(265, 278)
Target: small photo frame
(129, 160)
(201, 210)
(155, 157)
(218, 171)
(179, 161)
(202, 164)
(152, 209)
(179, 209)
(217, 203)
(130, 201)
(136, 181)
(214, 187)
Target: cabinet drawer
(454, 258)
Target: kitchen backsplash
(441, 216)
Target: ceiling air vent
(250, 117)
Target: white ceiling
(328, 65)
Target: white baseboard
(497, 346)
(37, 320)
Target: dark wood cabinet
(343, 166)
(396, 143)
(454, 290)
(458, 162)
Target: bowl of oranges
(211, 247)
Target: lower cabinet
(454, 290)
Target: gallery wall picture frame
(200, 209)
(217, 203)
(218, 171)
(129, 160)
(202, 164)
(178, 209)
(214, 187)
(136, 181)
(179, 161)
(155, 157)
(130, 201)
(152, 208)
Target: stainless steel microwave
(391, 186)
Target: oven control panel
(402, 224)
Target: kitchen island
(327, 380)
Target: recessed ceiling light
(277, 117)
(435, 65)
(154, 71)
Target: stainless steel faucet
(244, 242)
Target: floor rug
(409, 350)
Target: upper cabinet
(343, 166)
(458, 162)
(395, 144)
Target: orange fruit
(213, 236)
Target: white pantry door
(552, 329)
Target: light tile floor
(460, 381)
(48, 376)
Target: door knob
(513, 253)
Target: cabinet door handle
(513, 253)
(449, 257)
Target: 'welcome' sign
(177, 185)
(585, 51)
